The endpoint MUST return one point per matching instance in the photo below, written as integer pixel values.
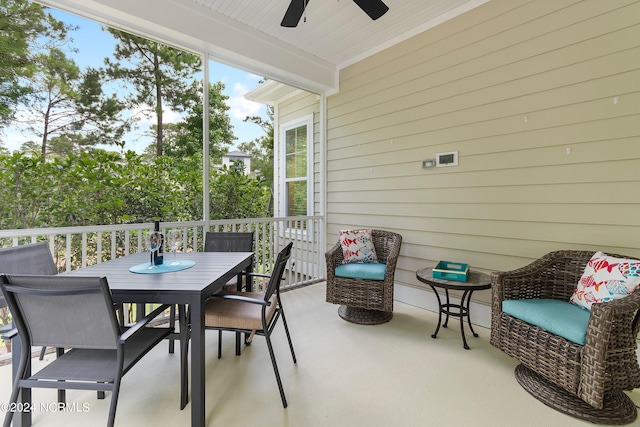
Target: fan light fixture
(374, 8)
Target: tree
(236, 195)
(185, 137)
(102, 113)
(160, 76)
(70, 104)
(29, 184)
(23, 24)
(261, 149)
(53, 96)
(105, 187)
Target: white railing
(77, 247)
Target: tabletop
(209, 268)
(475, 280)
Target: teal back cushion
(558, 317)
(362, 270)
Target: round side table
(475, 281)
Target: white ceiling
(247, 33)
(337, 31)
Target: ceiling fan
(374, 8)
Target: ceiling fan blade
(294, 13)
(374, 8)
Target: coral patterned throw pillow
(606, 278)
(357, 246)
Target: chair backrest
(34, 258)
(62, 311)
(278, 271)
(228, 242)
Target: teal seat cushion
(558, 317)
(360, 270)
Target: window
(298, 145)
(237, 163)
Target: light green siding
(541, 99)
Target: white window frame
(284, 127)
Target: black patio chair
(219, 241)
(254, 313)
(34, 258)
(214, 242)
(78, 314)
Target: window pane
(290, 137)
(296, 198)
(296, 165)
(296, 152)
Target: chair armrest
(241, 298)
(267, 276)
(10, 333)
(252, 274)
(334, 256)
(392, 257)
(611, 332)
(142, 323)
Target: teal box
(448, 270)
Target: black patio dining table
(192, 286)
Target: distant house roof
(236, 154)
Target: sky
(94, 44)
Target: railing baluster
(98, 247)
(83, 261)
(113, 244)
(68, 255)
(270, 235)
(127, 243)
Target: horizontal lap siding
(542, 101)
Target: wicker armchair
(367, 302)
(583, 381)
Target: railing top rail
(27, 232)
(87, 228)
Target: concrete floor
(346, 375)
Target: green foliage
(185, 137)
(26, 189)
(59, 178)
(52, 96)
(103, 187)
(160, 76)
(68, 103)
(235, 195)
(261, 149)
(23, 25)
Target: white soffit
(247, 34)
(271, 92)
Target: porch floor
(346, 375)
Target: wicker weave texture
(608, 360)
(367, 294)
(618, 408)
